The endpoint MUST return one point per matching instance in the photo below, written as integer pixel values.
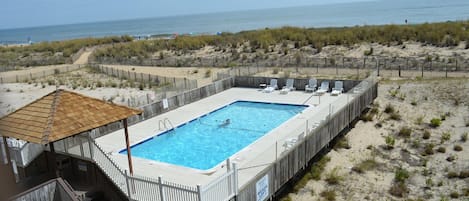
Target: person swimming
(225, 123)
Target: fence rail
(36, 72)
(174, 83)
(303, 60)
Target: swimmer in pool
(225, 123)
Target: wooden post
(423, 65)
(446, 70)
(129, 155)
(399, 70)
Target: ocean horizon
(378, 12)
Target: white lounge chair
(312, 85)
(271, 87)
(288, 87)
(324, 88)
(338, 88)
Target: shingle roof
(61, 114)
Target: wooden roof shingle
(61, 114)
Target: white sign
(262, 188)
(165, 103)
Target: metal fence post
(129, 194)
(90, 146)
(235, 176)
(160, 185)
(199, 192)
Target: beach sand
(428, 173)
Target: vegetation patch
(435, 122)
(365, 165)
(426, 135)
(342, 144)
(328, 195)
(333, 177)
(318, 167)
(405, 132)
(457, 148)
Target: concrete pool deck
(250, 160)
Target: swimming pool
(207, 141)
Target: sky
(33, 13)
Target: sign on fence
(262, 188)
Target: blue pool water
(203, 142)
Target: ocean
(332, 15)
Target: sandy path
(83, 59)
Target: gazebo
(62, 114)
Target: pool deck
(250, 160)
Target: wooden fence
(36, 72)
(156, 80)
(304, 60)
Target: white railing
(25, 154)
(109, 167)
(223, 188)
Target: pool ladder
(164, 122)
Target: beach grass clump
(428, 149)
(399, 189)
(393, 92)
(366, 117)
(441, 149)
(465, 191)
(428, 182)
(405, 132)
(451, 158)
(389, 109)
(426, 135)
(435, 122)
(401, 175)
(328, 195)
(342, 143)
(445, 136)
(318, 167)
(390, 141)
(454, 195)
(457, 148)
(419, 120)
(333, 177)
(464, 137)
(464, 174)
(302, 182)
(395, 116)
(365, 165)
(452, 175)
(416, 143)
(286, 198)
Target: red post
(129, 155)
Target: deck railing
(55, 189)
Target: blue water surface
(205, 142)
